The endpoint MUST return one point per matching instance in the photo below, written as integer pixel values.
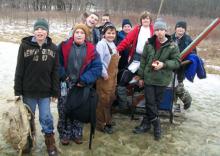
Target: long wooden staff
(199, 38)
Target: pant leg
(153, 97)
(150, 102)
(66, 128)
(64, 125)
(76, 129)
(183, 94)
(103, 109)
(160, 90)
(122, 96)
(45, 116)
(31, 102)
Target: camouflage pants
(66, 128)
(183, 95)
(121, 92)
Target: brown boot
(50, 143)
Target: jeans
(45, 116)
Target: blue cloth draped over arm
(196, 67)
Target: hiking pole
(198, 39)
(161, 4)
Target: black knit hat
(107, 25)
(126, 21)
(41, 23)
(181, 24)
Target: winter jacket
(131, 40)
(36, 73)
(91, 68)
(183, 42)
(96, 35)
(105, 54)
(196, 67)
(168, 54)
(123, 62)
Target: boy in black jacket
(183, 40)
(36, 77)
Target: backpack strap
(110, 49)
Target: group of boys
(36, 78)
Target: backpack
(81, 105)
(17, 127)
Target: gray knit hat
(160, 24)
(41, 23)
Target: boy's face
(126, 28)
(180, 31)
(160, 33)
(105, 19)
(145, 22)
(79, 36)
(40, 34)
(110, 35)
(92, 20)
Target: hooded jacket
(36, 74)
(168, 54)
(91, 68)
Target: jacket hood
(153, 39)
(28, 40)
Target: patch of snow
(214, 67)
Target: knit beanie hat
(83, 27)
(160, 24)
(41, 23)
(107, 25)
(181, 24)
(126, 21)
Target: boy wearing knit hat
(80, 66)
(160, 57)
(122, 104)
(182, 39)
(106, 85)
(126, 28)
(36, 78)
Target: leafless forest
(201, 8)
(198, 14)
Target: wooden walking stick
(161, 4)
(199, 38)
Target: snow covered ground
(197, 132)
